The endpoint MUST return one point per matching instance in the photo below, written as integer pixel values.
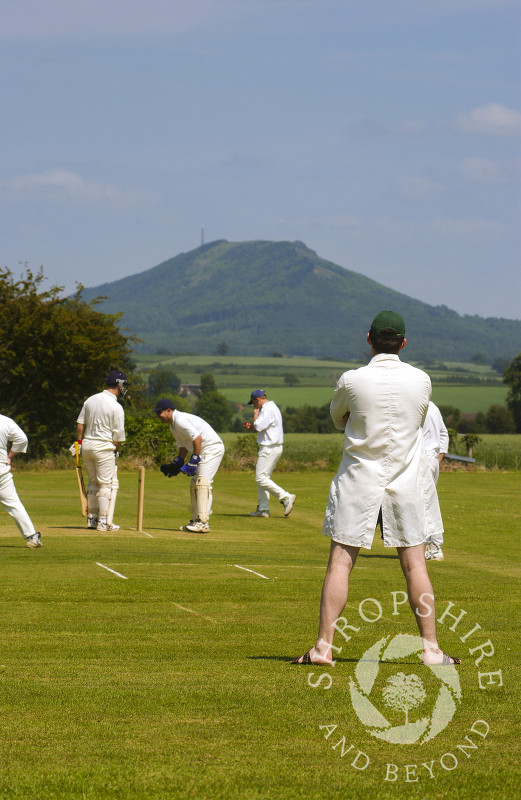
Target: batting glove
(72, 448)
(174, 468)
(191, 468)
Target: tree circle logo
(402, 693)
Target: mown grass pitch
(171, 679)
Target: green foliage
(290, 379)
(242, 452)
(470, 440)
(54, 351)
(308, 419)
(215, 409)
(208, 383)
(513, 381)
(499, 419)
(162, 382)
(148, 441)
(499, 365)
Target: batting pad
(193, 499)
(202, 498)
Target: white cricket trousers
(434, 464)
(211, 457)
(99, 459)
(267, 459)
(13, 505)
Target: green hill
(263, 297)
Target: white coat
(384, 465)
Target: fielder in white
(381, 408)
(12, 441)
(267, 421)
(436, 443)
(100, 430)
(193, 435)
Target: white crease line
(191, 611)
(112, 570)
(251, 570)
(146, 534)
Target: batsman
(100, 429)
(193, 435)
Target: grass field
(236, 376)
(155, 664)
(469, 399)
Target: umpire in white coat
(384, 473)
(193, 435)
(12, 441)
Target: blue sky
(384, 134)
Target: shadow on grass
(377, 555)
(288, 660)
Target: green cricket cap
(389, 325)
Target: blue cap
(256, 393)
(162, 405)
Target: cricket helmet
(119, 379)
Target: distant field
(469, 399)
(208, 363)
(285, 396)
(236, 376)
(304, 451)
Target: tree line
(55, 351)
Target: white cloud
(64, 186)
(493, 119)
(417, 187)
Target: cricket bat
(81, 483)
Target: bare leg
(421, 600)
(334, 597)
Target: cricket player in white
(267, 421)
(381, 408)
(12, 441)
(193, 435)
(436, 443)
(100, 430)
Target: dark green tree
(55, 351)
(499, 419)
(163, 382)
(512, 378)
(208, 383)
(216, 410)
(500, 364)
